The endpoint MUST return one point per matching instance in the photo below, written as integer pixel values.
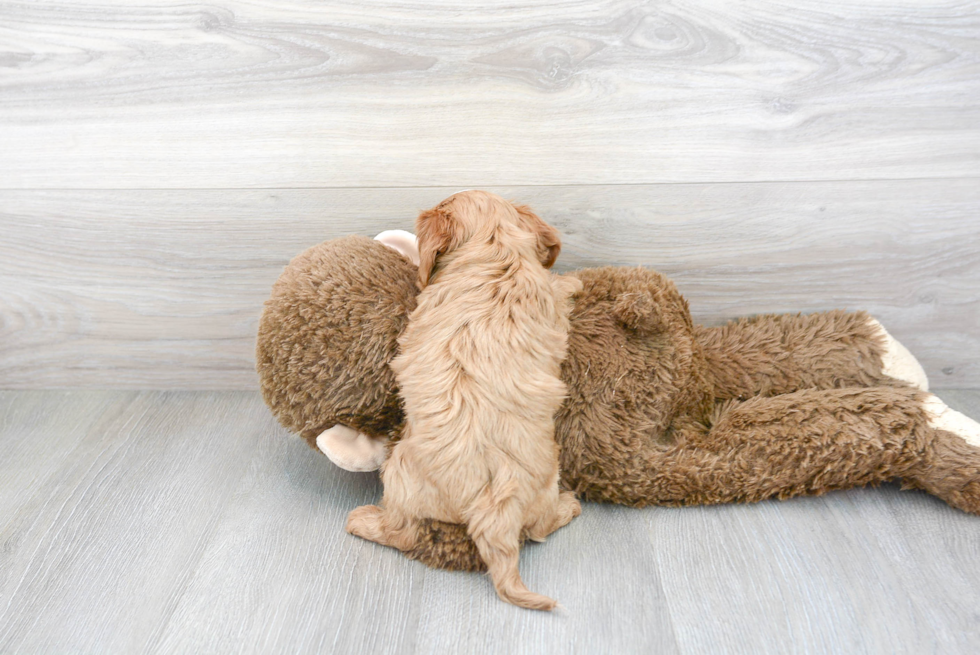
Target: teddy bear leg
(781, 353)
(814, 441)
(807, 442)
(942, 417)
(951, 469)
(896, 360)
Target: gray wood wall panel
(149, 94)
(163, 289)
(190, 523)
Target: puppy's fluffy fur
(478, 373)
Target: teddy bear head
(328, 333)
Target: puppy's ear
(438, 232)
(549, 243)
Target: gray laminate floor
(189, 522)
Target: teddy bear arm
(776, 354)
(352, 450)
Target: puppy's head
(478, 215)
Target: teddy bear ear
(402, 242)
(639, 311)
(438, 232)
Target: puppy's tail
(495, 525)
(507, 581)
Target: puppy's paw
(569, 505)
(568, 285)
(365, 522)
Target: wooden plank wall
(161, 161)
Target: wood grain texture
(281, 575)
(163, 289)
(292, 93)
(100, 554)
(608, 607)
(39, 437)
(188, 522)
(874, 564)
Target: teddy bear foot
(897, 362)
(942, 417)
(351, 450)
(951, 470)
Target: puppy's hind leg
(383, 526)
(495, 526)
(558, 514)
(389, 525)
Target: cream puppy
(478, 372)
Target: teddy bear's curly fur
(660, 411)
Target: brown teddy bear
(659, 411)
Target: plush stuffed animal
(659, 411)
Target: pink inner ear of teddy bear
(402, 242)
